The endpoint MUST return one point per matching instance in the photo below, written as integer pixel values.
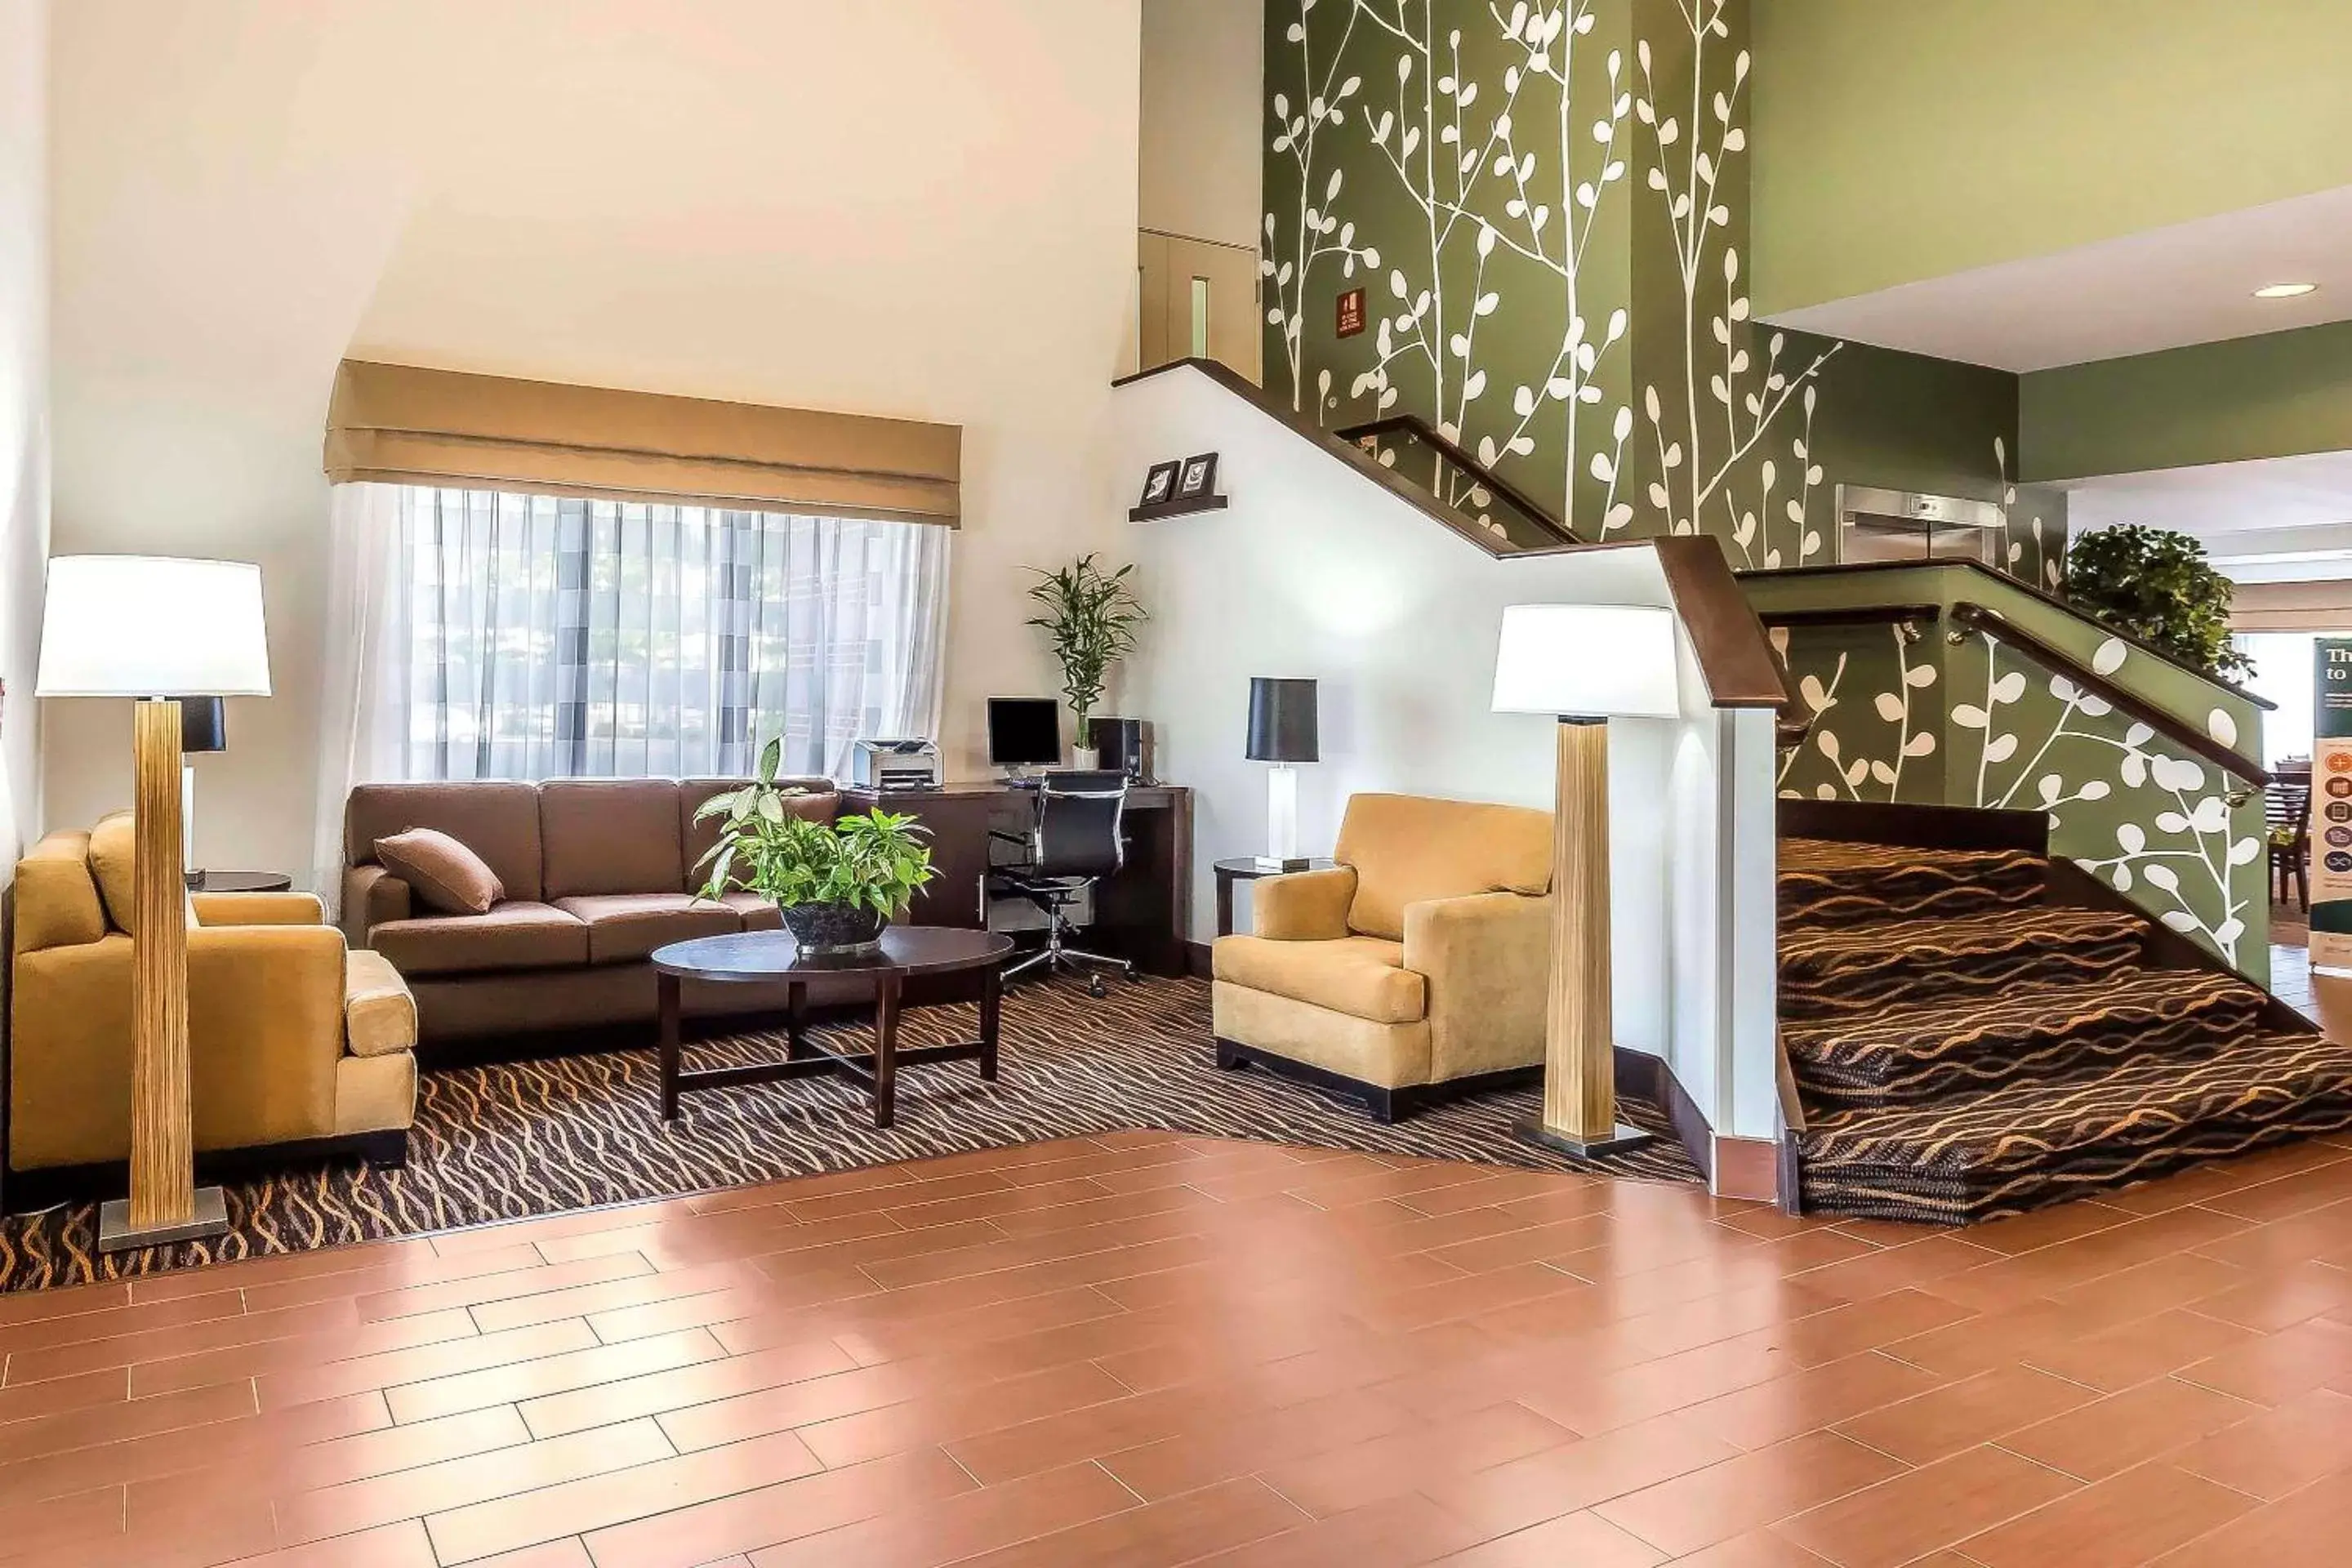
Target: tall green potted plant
(837, 884)
(2157, 586)
(1089, 617)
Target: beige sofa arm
(259, 910)
(1304, 906)
(1487, 959)
(372, 896)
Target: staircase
(1963, 1048)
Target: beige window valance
(405, 425)
(2321, 607)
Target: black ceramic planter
(834, 928)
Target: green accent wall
(1547, 209)
(1900, 139)
(2276, 396)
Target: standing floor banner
(2331, 806)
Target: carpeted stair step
(1905, 1056)
(1827, 883)
(1833, 971)
(2002, 1151)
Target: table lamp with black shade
(1585, 665)
(1282, 732)
(147, 628)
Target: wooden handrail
(1727, 641)
(1859, 615)
(1988, 621)
(2015, 584)
(1421, 430)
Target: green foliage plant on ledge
(873, 861)
(2157, 585)
(1089, 621)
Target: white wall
(24, 406)
(1314, 570)
(1203, 105)
(924, 209)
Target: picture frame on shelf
(1198, 477)
(1159, 484)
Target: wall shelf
(1168, 509)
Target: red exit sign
(1352, 312)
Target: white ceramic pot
(1085, 758)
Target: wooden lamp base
(1580, 1108)
(165, 1204)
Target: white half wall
(24, 407)
(924, 209)
(1315, 570)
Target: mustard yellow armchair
(291, 1040)
(1413, 970)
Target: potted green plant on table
(2157, 585)
(1089, 618)
(837, 884)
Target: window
(538, 636)
(2284, 673)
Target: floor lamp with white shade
(146, 627)
(1585, 663)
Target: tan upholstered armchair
(292, 1041)
(1414, 969)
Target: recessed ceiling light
(2284, 290)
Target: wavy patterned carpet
(529, 1138)
(1964, 1050)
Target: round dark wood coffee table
(767, 957)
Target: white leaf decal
(1921, 745)
(2095, 789)
(1967, 716)
(1890, 707)
(2161, 875)
(2000, 748)
(2176, 773)
(1883, 774)
(2221, 727)
(1920, 675)
(2110, 657)
(2051, 787)
(2130, 835)
(2010, 687)
(1828, 742)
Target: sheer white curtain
(476, 634)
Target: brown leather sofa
(597, 874)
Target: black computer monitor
(1023, 732)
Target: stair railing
(1480, 475)
(1967, 616)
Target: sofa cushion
(820, 802)
(447, 876)
(625, 927)
(379, 1014)
(113, 845)
(610, 836)
(57, 903)
(497, 819)
(757, 913)
(1359, 975)
(1406, 848)
(517, 934)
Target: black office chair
(1074, 842)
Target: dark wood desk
(1144, 913)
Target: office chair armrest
(1304, 906)
(1020, 838)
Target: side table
(239, 882)
(1246, 869)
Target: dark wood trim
(1790, 1197)
(1789, 1187)
(1421, 430)
(1196, 960)
(1859, 615)
(2068, 885)
(1640, 1073)
(2058, 660)
(2019, 586)
(1735, 657)
(1385, 1104)
(31, 1190)
(1168, 509)
(1918, 826)
(1733, 654)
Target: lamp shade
(141, 626)
(1587, 661)
(1282, 720)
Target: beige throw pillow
(444, 873)
(112, 849)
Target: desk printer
(894, 764)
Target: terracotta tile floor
(1148, 1350)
